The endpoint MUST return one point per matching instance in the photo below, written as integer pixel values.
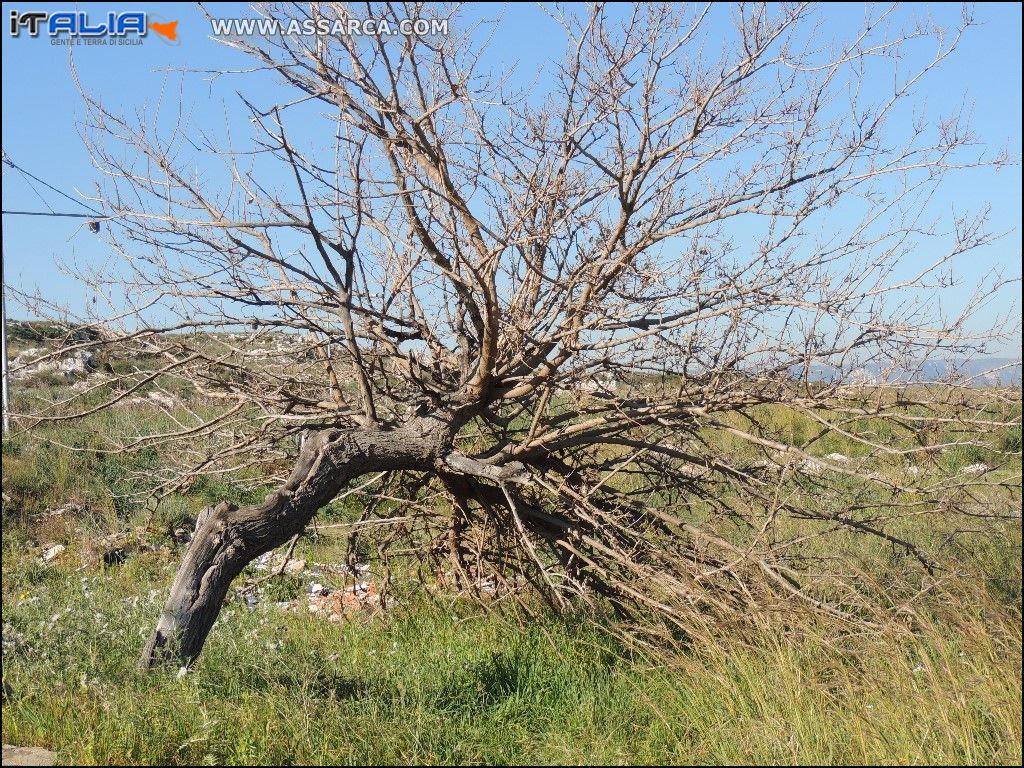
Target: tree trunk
(228, 538)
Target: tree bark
(228, 538)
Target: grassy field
(432, 684)
(441, 681)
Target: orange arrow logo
(168, 29)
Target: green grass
(445, 683)
(429, 684)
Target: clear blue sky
(41, 110)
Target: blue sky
(41, 110)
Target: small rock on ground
(51, 553)
(28, 756)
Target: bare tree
(557, 322)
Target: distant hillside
(42, 331)
(987, 371)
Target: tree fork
(227, 538)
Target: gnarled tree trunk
(228, 538)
